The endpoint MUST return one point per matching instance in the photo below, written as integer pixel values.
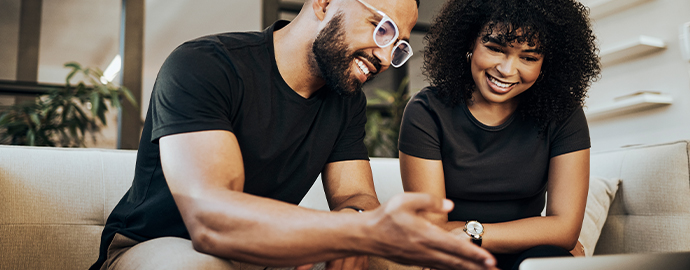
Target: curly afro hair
(560, 28)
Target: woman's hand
(579, 250)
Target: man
(239, 127)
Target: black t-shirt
(231, 82)
(492, 173)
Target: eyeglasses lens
(385, 33)
(400, 54)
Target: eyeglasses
(385, 33)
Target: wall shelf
(632, 103)
(602, 8)
(632, 48)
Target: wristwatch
(475, 230)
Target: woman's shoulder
(576, 115)
(427, 97)
(427, 103)
(575, 122)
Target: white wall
(663, 71)
(9, 43)
(169, 23)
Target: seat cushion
(55, 203)
(651, 210)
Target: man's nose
(384, 56)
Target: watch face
(475, 228)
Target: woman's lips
(499, 86)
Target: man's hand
(401, 234)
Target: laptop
(646, 261)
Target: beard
(333, 59)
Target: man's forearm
(267, 232)
(262, 231)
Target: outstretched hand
(402, 234)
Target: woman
(502, 123)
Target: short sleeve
(193, 91)
(350, 146)
(570, 135)
(420, 135)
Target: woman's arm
(568, 181)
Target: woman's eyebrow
(497, 41)
(539, 51)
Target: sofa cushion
(55, 202)
(651, 210)
(601, 193)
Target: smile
(500, 83)
(362, 66)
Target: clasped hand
(398, 231)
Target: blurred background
(643, 95)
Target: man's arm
(349, 183)
(204, 171)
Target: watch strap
(477, 241)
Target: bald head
(309, 1)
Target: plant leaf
(95, 102)
(74, 65)
(31, 137)
(129, 96)
(383, 94)
(73, 130)
(58, 117)
(5, 118)
(115, 99)
(45, 140)
(35, 119)
(103, 89)
(101, 112)
(403, 84)
(97, 72)
(81, 90)
(69, 77)
(65, 111)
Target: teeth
(500, 84)
(362, 66)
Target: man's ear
(320, 7)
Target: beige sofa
(55, 201)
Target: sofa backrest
(387, 182)
(55, 201)
(651, 210)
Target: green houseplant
(384, 115)
(63, 116)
